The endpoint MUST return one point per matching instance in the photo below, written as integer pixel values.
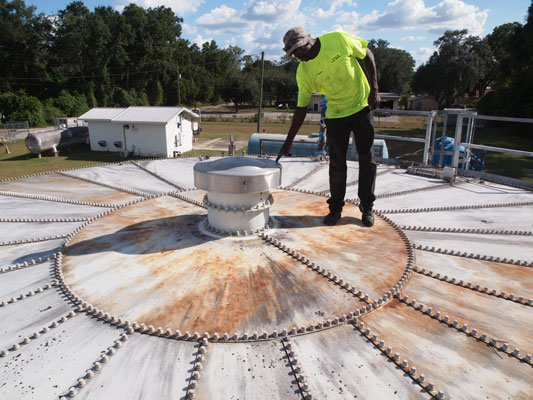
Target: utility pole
(179, 78)
(260, 93)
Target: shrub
(19, 106)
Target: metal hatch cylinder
(238, 195)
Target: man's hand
(284, 149)
(374, 99)
(372, 76)
(297, 120)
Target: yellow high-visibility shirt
(335, 73)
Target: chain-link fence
(12, 131)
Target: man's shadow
(147, 237)
(178, 233)
(307, 221)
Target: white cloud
(272, 11)
(413, 14)
(189, 30)
(180, 7)
(199, 40)
(348, 17)
(222, 19)
(412, 38)
(334, 6)
(422, 54)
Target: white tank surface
(111, 287)
(51, 140)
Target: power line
(116, 74)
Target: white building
(143, 131)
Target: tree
(78, 59)
(461, 65)
(23, 47)
(238, 89)
(514, 80)
(395, 67)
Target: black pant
(338, 136)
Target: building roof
(388, 95)
(420, 97)
(101, 114)
(154, 115)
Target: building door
(125, 130)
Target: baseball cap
(294, 38)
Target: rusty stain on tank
(179, 276)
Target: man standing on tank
(329, 65)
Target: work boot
(332, 218)
(367, 217)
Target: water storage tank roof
(111, 287)
(238, 175)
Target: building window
(177, 140)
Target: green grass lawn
(519, 167)
(21, 162)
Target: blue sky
(259, 25)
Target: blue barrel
(477, 161)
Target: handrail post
(457, 143)
(425, 158)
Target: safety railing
(431, 120)
(459, 124)
(471, 118)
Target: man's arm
(297, 121)
(372, 76)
